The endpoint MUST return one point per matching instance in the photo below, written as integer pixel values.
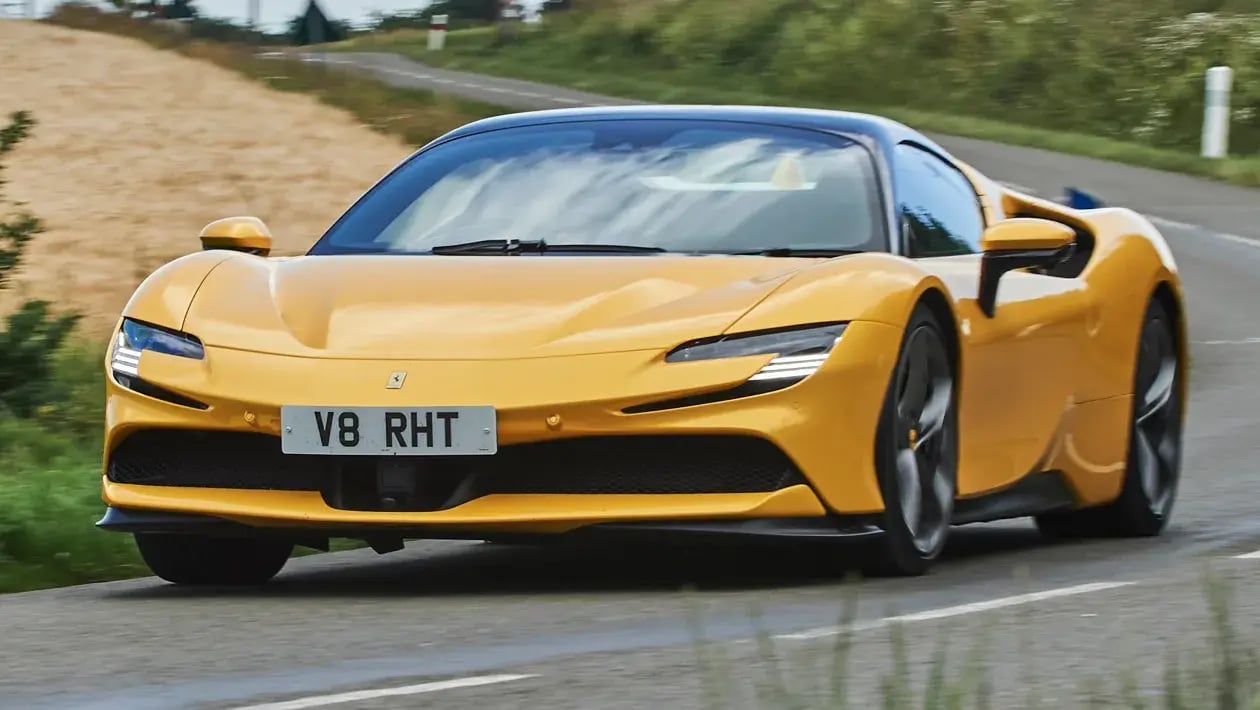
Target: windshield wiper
(537, 246)
(791, 251)
(490, 246)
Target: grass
(414, 115)
(539, 58)
(1223, 674)
(50, 489)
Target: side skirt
(1034, 494)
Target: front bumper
(822, 429)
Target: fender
(165, 296)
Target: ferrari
(652, 320)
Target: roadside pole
(437, 32)
(1217, 86)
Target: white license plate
(389, 431)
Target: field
(133, 149)
(1119, 80)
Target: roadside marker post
(437, 32)
(1218, 82)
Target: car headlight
(800, 351)
(135, 337)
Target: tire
(204, 560)
(916, 451)
(1152, 472)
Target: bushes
(1124, 69)
(50, 413)
(31, 336)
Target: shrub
(33, 334)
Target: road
(454, 624)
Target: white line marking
(1194, 227)
(1018, 188)
(320, 700)
(1249, 556)
(959, 610)
(1244, 341)
(560, 100)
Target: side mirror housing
(243, 234)
(1019, 243)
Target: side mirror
(244, 234)
(1019, 243)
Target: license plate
(389, 431)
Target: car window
(939, 203)
(682, 185)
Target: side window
(939, 203)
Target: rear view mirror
(243, 234)
(1019, 243)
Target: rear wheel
(205, 560)
(917, 451)
(1153, 470)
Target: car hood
(476, 307)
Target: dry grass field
(135, 149)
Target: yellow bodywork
(561, 345)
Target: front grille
(204, 459)
(599, 465)
(637, 464)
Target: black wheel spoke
(1156, 425)
(924, 471)
(909, 484)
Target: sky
(275, 13)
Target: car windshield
(680, 186)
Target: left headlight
(801, 351)
(135, 337)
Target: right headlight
(135, 337)
(800, 351)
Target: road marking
(1248, 556)
(1018, 188)
(315, 701)
(959, 610)
(1248, 341)
(1197, 228)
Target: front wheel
(917, 451)
(205, 560)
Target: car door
(1016, 381)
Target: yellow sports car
(758, 321)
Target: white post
(437, 32)
(1216, 112)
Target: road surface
(456, 624)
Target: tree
(33, 333)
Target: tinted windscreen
(686, 186)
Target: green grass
(1221, 674)
(552, 57)
(50, 488)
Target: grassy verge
(50, 478)
(1223, 672)
(543, 57)
(50, 488)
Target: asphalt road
(447, 624)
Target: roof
(884, 130)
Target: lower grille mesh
(594, 465)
